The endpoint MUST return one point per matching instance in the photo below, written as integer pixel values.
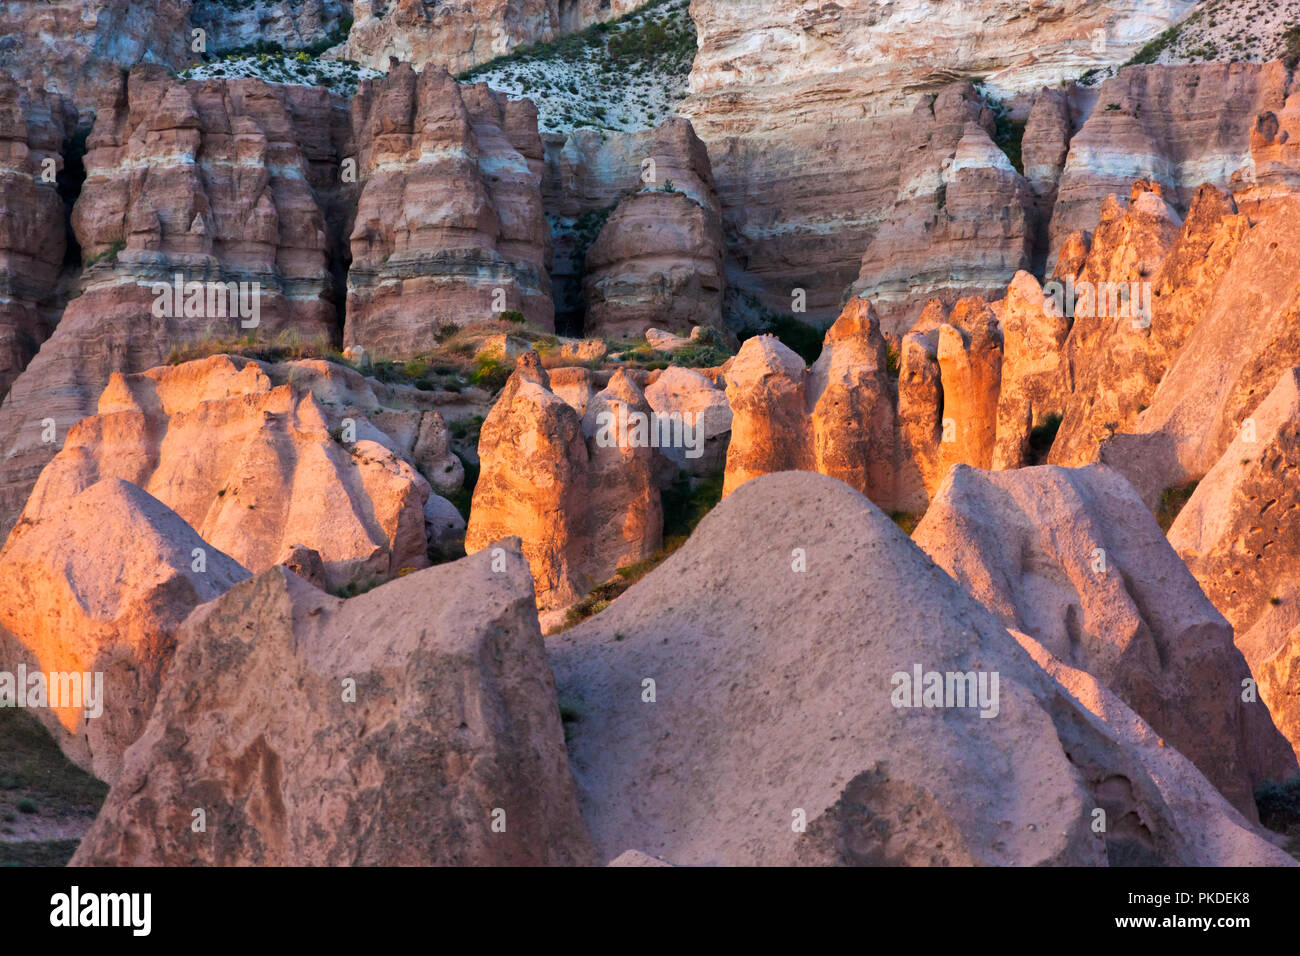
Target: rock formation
(962, 222)
(460, 37)
(1181, 126)
(686, 393)
(435, 741)
(657, 261)
(791, 97)
(80, 47)
(253, 467)
(33, 130)
(209, 181)
(98, 585)
(1074, 559)
(1240, 536)
(580, 492)
(722, 670)
(449, 224)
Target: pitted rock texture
(451, 731)
(763, 704)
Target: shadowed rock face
(764, 705)
(657, 261)
(80, 47)
(100, 583)
(1240, 536)
(449, 223)
(217, 181)
(1073, 558)
(582, 498)
(308, 747)
(251, 466)
(33, 129)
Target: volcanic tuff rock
(461, 36)
(449, 223)
(582, 507)
(100, 583)
(962, 221)
(1181, 126)
(646, 245)
(793, 97)
(217, 181)
(685, 392)
(1248, 333)
(251, 465)
(33, 129)
(308, 747)
(949, 380)
(290, 23)
(1029, 391)
(763, 705)
(1073, 558)
(1116, 360)
(1240, 535)
(79, 47)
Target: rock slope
(435, 741)
(760, 712)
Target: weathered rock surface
(1073, 558)
(1239, 534)
(686, 393)
(1180, 126)
(33, 130)
(582, 497)
(290, 23)
(657, 261)
(1248, 334)
(962, 222)
(216, 181)
(950, 370)
(1117, 357)
(459, 37)
(452, 726)
(251, 466)
(1032, 375)
(80, 47)
(791, 97)
(763, 706)
(449, 224)
(99, 584)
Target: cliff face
(462, 35)
(1179, 126)
(79, 47)
(216, 182)
(449, 219)
(803, 107)
(963, 218)
(33, 130)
